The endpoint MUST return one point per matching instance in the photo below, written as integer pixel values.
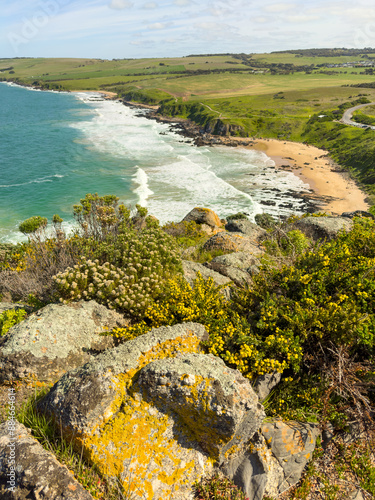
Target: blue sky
(160, 28)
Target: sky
(111, 29)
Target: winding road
(346, 117)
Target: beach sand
(333, 188)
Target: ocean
(55, 147)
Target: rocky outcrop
(244, 226)
(322, 228)
(27, 470)
(232, 242)
(275, 460)
(55, 339)
(156, 412)
(217, 403)
(292, 444)
(203, 216)
(264, 384)
(237, 266)
(7, 306)
(191, 269)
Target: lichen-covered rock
(240, 260)
(27, 470)
(231, 242)
(264, 384)
(192, 268)
(253, 231)
(129, 431)
(292, 443)
(257, 472)
(7, 306)
(55, 339)
(238, 276)
(203, 216)
(234, 266)
(217, 403)
(323, 228)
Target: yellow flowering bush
(230, 336)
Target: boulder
(192, 268)
(231, 242)
(235, 266)
(257, 472)
(244, 226)
(155, 412)
(55, 339)
(27, 470)
(7, 306)
(217, 403)
(203, 216)
(322, 228)
(292, 444)
(265, 383)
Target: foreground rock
(323, 228)
(54, 340)
(35, 472)
(7, 306)
(156, 412)
(276, 459)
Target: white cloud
(301, 18)
(120, 4)
(158, 26)
(279, 7)
(150, 5)
(182, 3)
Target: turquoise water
(56, 147)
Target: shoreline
(334, 191)
(332, 186)
(309, 163)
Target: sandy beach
(334, 189)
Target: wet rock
(55, 339)
(203, 216)
(322, 228)
(36, 472)
(358, 213)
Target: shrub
(265, 221)
(128, 271)
(10, 318)
(33, 224)
(237, 216)
(98, 216)
(218, 487)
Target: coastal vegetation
(308, 314)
